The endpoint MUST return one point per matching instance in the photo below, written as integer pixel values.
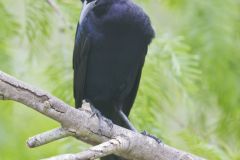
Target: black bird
(111, 43)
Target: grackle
(111, 43)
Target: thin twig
(57, 10)
(48, 137)
(55, 7)
(106, 148)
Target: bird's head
(99, 7)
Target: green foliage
(189, 92)
(6, 33)
(37, 22)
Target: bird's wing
(128, 103)
(80, 59)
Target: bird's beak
(86, 8)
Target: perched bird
(111, 43)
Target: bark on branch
(82, 124)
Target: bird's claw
(151, 136)
(109, 122)
(96, 112)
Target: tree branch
(98, 151)
(81, 124)
(47, 137)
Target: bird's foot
(101, 118)
(151, 136)
(109, 122)
(95, 112)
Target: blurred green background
(189, 94)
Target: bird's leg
(126, 120)
(131, 127)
